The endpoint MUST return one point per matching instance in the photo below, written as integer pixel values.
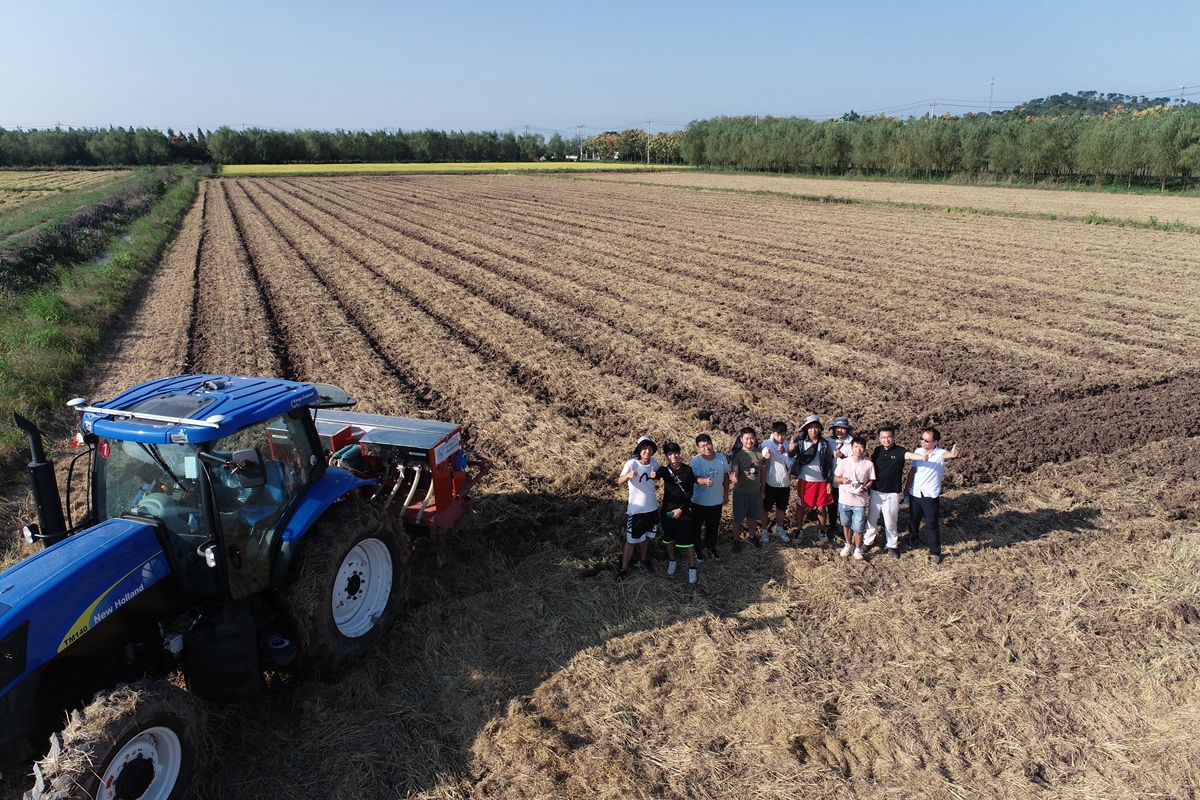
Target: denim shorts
(853, 516)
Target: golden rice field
(19, 188)
(54, 180)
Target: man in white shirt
(925, 490)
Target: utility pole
(579, 138)
(991, 87)
(647, 143)
(933, 111)
(1181, 88)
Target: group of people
(828, 472)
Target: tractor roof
(219, 404)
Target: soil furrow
(831, 253)
(540, 442)
(323, 343)
(984, 355)
(611, 353)
(232, 323)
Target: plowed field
(1004, 200)
(1053, 654)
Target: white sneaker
(846, 550)
(692, 575)
(764, 537)
(781, 532)
(670, 567)
(858, 556)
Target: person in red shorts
(813, 467)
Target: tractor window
(160, 481)
(249, 516)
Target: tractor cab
(215, 463)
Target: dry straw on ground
(1051, 655)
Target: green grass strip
(46, 335)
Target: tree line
(1159, 145)
(85, 147)
(1062, 140)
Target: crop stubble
(559, 319)
(1121, 205)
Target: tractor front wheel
(143, 741)
(347, 586)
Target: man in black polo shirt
(888, 459)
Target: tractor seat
(265, 500)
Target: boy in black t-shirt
(678, 482)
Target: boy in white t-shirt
(641, 514)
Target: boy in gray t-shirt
(709, 496)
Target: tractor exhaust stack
(52, 527)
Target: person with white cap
(641, 513)
(812, 464)
(839, 444)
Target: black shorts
(678, 532)
(776, 497)
(639, 527)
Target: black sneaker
(620, 576)
(893, 552)
(715, 555)
(755, 543)
(737, 547)
(646, 565)
(699, 556)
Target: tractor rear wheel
(143, 741)
(347, 586)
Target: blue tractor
(234, 535)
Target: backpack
(804, 458)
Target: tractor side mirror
(248, 466)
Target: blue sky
(474, 66)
